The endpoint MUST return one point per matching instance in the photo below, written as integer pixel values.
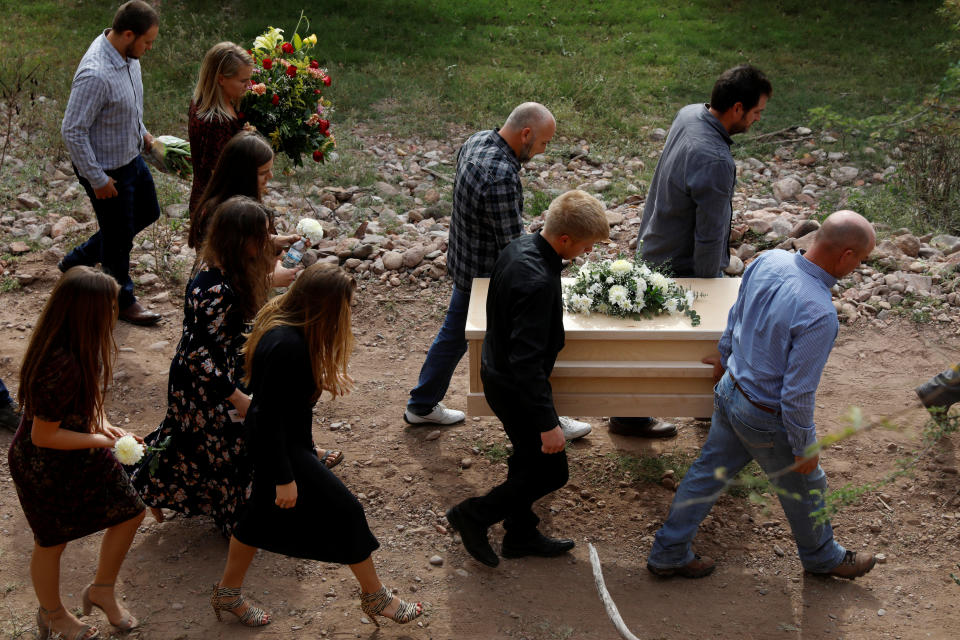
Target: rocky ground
(899, 311)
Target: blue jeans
(120, 219)
(443, 357)
(4, 395)
(739, 433)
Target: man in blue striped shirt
(778, 337)
(104, 133)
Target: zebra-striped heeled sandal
(373, 604)
(229, 599)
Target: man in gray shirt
(103, 131)
(686, 218)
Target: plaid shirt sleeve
(87, 97)
(501, 209)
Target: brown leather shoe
(852, 566)
(696, 568)
(642, 427)
(136, 314)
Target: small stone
(392, 261)
(600, 185)
(881, 558)
(735, 267)
(19, 248)
(158, 346)
(845, 175)
(777, 550)
(463, 573)
(29, 201)
(881, 612)
(466, 463)
(786, 189)
(412, 257)
(148, 279)
(657, 135)
(176, 606)
(433, 435)
(436, 561)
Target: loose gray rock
(413, 257)
(433, 435)
(29, 201)
(735, 267)
(786, 189)
(392, 261)
(909, 244)
(804, 227)
(614, 218)
(436, 561)
(946, 243)
(386, 189)
(657, 135)
(845, 175)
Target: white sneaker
(573, 429)
(439, 415)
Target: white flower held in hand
(127, 450)
(310, 229)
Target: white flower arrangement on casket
(627, 290)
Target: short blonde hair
(579, 215)
(223, 59)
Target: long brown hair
(319, 303)
(234, 175)
(240, 227)
(78, 319)
(223, 59)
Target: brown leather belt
(762, 407)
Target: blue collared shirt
(779, 335)
(103, 124)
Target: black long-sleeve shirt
(525, 327)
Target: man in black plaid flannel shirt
(487, 216)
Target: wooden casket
(619, 367)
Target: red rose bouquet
(285, 100)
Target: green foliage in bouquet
(627, 290)
(171, 154)
(285, 100)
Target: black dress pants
(531, 473)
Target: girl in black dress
(69, 482)
(298, 348)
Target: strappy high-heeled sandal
(373, 604)
(229, 599)
(45, 632)
(126, 625)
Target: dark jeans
(444, 356)
(4, 395)
(120, 218)
(531, 474)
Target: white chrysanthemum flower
(645, 270)
(580, 303)
(310, 229)
(659, 280)
(618, 295)
(621, 266)
(670, 305)
(639, 304)
(609, 279)
(689, 298)
(127, 450)
(595, 288)
(641, 286)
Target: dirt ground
(406, 481)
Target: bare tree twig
(438, 175)
(608, 602)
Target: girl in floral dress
(69, 482)
(204, 469)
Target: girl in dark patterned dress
(204, 469)
(214, 111)
(69, 482)
(299, 347)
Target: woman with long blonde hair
(214, 115)
(203, 469)
(299, 347)
(69, 482)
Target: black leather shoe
(136, 314)
(9, 417)
(642, 427)
(536, 545)
(474, 537)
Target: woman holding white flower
(244, 168)
(67, 478)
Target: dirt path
(406, 481)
